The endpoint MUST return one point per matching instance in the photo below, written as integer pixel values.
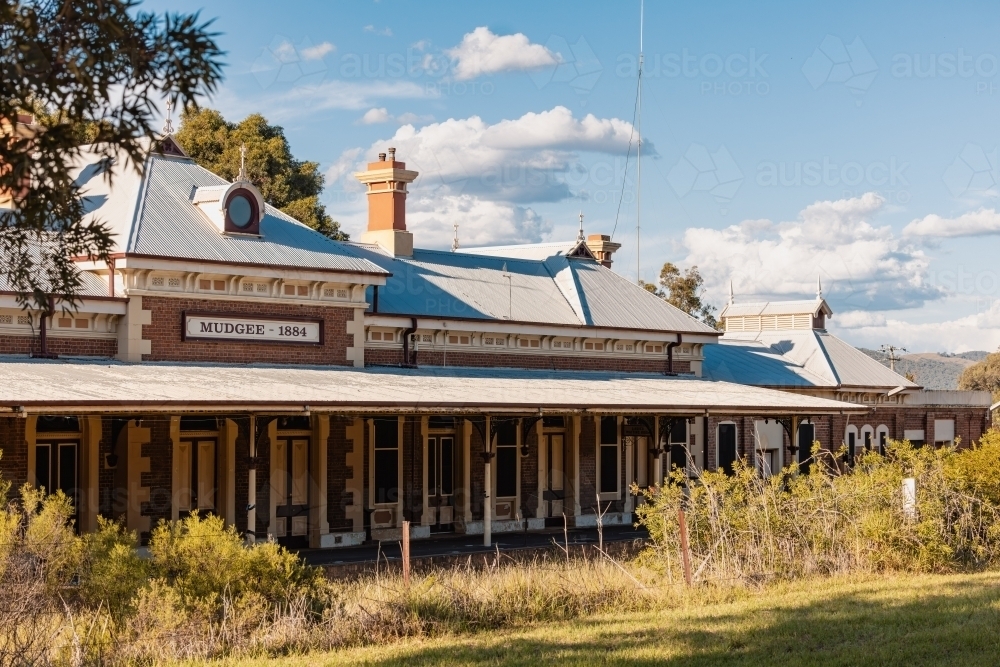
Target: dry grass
(899, 620)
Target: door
(441, 481)
(292, 492)
(198, 488)
(57, 468)
(555, 475)
(807, 435)
(727, 447)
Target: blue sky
(856, 142)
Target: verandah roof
(34, 385)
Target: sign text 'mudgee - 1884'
(251, 329)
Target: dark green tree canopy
(94, 72)
(983, 375)
(290, 185)
(684, 291)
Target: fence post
(685, 547)
(406, 553)
(910, 498)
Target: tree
(983, 375)
(94, 69)
(290, 185)
(683, 291)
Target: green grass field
(903, 620)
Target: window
(915, 436)
(678, 443)
(882, 438)
(528, 342)
(440, 465)
(210, 285)
(458, 340)
(6, 319)
(56, 467)
(727, 447)
(655, 348)
(173, 282)
(851, 439)
(944, 432)
(867, 437)
(262, 287)
(562, 344)
(624, 347)
(426, 338)
(591, 345)
(609, 474)
(247, 287)
(506, 459)
(158, 281)
(385, 461)
(24, 319)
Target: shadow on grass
(938, 622)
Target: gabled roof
(820, 357)
(538, 251)
(153, 214)
(557, 290)
(811, 307)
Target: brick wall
(13, 453)
(166, 344)
(529, 476)
(84, 347)
(394, 357)
(338, 473)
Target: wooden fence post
(406, 553)
(685, 546)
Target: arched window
(868, 437)
(851, 440)
(726, 447)
(882, 438)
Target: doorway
(290, 479)
(198, 487)
(555, 474)
(441, 481)
(57, 468)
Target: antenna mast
(638, 157)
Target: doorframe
(396, 507)
(493, 474)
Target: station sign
(251, 329)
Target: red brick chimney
(602, 247)
(386, 181)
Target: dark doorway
(292, 491)
(807, 436)
(727, 447)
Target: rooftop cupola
(387, 180)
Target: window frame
(616, 447)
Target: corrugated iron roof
(155, 386)
(152, 214)
(557, 290)
(753, 363)
(832, 362)
(810, 306)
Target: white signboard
(251, 329)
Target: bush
(748, 528)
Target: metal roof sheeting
(753, 363)
(832, 362)
(811, 307)
(41, 384)
(152, 214)
(558, 290)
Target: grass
(907, 620)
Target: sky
(851, 143)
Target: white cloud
(863, 267)
(381, 115)
(973, 332)
(481, 222)
(482, 52)
(857, 319)
(521, 160)
(317, 52)
(974, 223)
(384, 32)
(373, 116)
(330, 94)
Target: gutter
(670, 354)
(407, 363)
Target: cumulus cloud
(520, 161)
(384, 32)
(381, 115)
(317, 51)
(483, 52)
(330, 94)
(973, 332)
(974, 223)
(863, 267)
(481, 222)
(857, 319)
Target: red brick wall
(88, 347)
(394, 357)
(165, 333)
(338, 472)
(13, 453)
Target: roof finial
(454, 244)
(243, 163)
(168, 125)
(579, 236)
(819, 288)
(732, 299)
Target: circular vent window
(240, 210)
(242, 213)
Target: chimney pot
(381, 157)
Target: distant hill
(932, 370)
